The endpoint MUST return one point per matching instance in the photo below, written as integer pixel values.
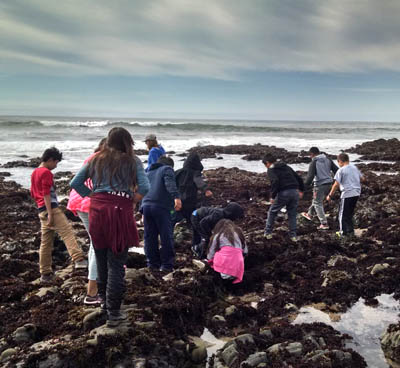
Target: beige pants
(64, 229)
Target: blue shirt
(154, 154)
(78, 182)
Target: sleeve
(338, 176)
(78, 182)
(141, 178)
(334, 168)
(311, 173)
(274, 183)
(207, 224)
(152, 159)
(170, 183)
(47, 182)
(213, 249)
(299, 180)
(199, 181)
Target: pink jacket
(76, 202)
(230, 261)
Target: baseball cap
(150, 137)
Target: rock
(7, 353)
(291, 307)
(255, 359)
(94, 319)
(199, 264)
(390, 343)
(230, 311)
(274, 349)
(199, 354)
(378, 268)
(145, 325)
(26, 333)
(230, 355)
(218, 319)
(245, 339)
(266, 333)
(294, 348)
(52, 361)
(45, 290)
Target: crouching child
(227, 250)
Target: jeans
(317, 205)
(346, 212)
(62, 226)
(288, 198)
(110, 281)
(157, 221)
(84, 216)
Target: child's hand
(208, 193)
(178, 204)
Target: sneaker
(196, 252)
(338, 234)
(293, 239)
(306, 216)
(115, 319)
(268, 236)
(323, 227)
(46, 278)
(92, 300)
(81, 264)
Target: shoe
(116, 318)
(268, 236)
(323, 227)
(293, 239)
(306, 216)
(46, 278)
(165, 271)
(92, 300)
(81, 264)
(196, 251)
(339, 234)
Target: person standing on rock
(157, 205)
(287, 188)
(80, 207)
(349, 179)
(52, 219)
(116, 172)
(156, 150)
(189, 180)
(319, 172)
(205, 218)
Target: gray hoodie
(320, 170)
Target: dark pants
(197, 232)
(288, 198)
(157, 221)
(110, 279)
(346, 212)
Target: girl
(226, 251)
(80, 207)
(115, 173)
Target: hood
(320, 157)
(279, 165)
(155, 166)
(193, 162)
(233, 211)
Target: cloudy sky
(244, 59)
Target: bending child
(227, 250)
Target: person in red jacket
(52, 219)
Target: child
(205, 218)
(349, 179)
(52, 219)
(115, 171)
(155, 150)
(162, 198)
(80, 207)
(226, 251)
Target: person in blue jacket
(155, 150)
(157, 205)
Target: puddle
(365, 324)
(212, 343)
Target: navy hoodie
(283, 177)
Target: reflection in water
(365, 324)
(213, 344)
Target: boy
(349, 179)
(155, 150)
(287, 188)
(52, 219)
(205, 218)
(319, 172)
(162, 198)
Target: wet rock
(245, 339)
(145, 325)
(390, 343)
(255, 359)
(379, 268)
(267, 333)
(199, 353)
(332, 277)
(52, 361)
(218, 319)
(45, 290)
(379, 149)
(33, 162)
(94, 319)
(7, 353)
(24, 334)
(230, 311)
(230, 355)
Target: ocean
(22, 137)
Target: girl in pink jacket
(227, 250)
(80, 207)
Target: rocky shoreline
(50, 326)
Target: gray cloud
(214, 39)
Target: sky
(332, 60)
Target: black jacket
(189, 180)
(283, 177)
(207, 217)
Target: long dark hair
(116, 158)
(228, 229)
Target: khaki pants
(64, 229)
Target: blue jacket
(163, 190)
(154, 154)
